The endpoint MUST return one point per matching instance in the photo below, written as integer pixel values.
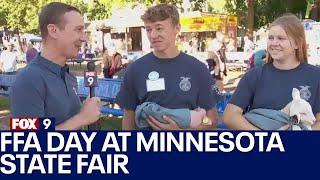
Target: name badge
(155, 85)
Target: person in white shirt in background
(248, 45)
(8, 60)
(213, 51)
(231, 46)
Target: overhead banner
(207, 23)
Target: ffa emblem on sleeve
(185, 84)
(305, 92)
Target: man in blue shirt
(45, 88)
(170, 78)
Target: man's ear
(53, 31)
(178, 28)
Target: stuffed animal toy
(300, 112)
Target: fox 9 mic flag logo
(32, 124)
(90, 79)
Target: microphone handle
(92, 92)
(97, 124)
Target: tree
(217, 6)
(102, 9)
(250, 17)
(265, 11)
(3, 16)
(96, 11)
(237, 8)
(196, 5)
(22, 15)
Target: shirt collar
(53, 67)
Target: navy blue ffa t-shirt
(180, 82)
(271, 88)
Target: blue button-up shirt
(45, 89)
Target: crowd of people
(112, 65)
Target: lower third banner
(121, 154)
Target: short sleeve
(244, 94)
(127, 96)
(27, 97)
(207, 97)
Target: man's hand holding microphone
(90, 111)
(91, 107)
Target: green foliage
(22, 15)
(265, 11)
(268, 10)
(111, 123)
(217, 6)
(4, 103)
(238, 8)
(198, 5)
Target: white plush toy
(300, 112)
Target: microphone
(90, 78)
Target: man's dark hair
(53, 13)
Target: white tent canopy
(31, 38)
